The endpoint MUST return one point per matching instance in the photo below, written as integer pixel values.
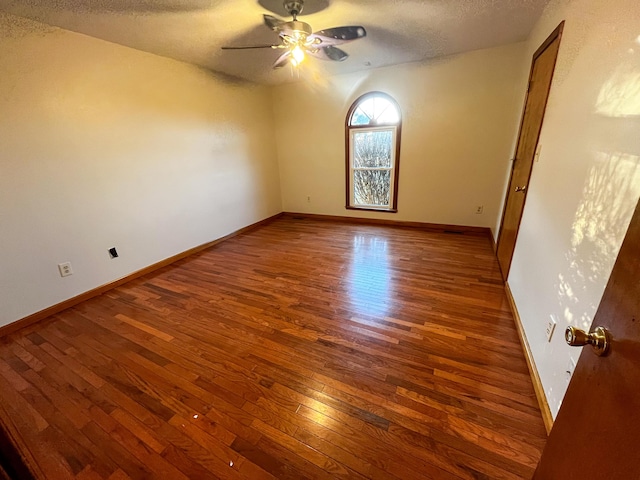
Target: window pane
(375, 110)
(359, 118)
(372, 187)
(368, 108)
(386, 112)
(372, 149)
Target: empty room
(320, 239)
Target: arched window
(373, 153)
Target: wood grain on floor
(301, 350)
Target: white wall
(587, 182)
(460, 115)
(102, 146)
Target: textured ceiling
(193, 31)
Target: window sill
(371, 209)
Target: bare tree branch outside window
(372, 167)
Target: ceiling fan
(298, 40)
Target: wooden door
(597, 432)
(542, 66)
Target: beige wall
(459, 118)
(102, 146)
(584, 188)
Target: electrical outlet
(571, 366)
(551, 326)
(65, 269)
(479, 209)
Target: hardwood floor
(301, 350)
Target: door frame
(556, 34)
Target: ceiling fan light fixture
(297, 55)
(298, 40)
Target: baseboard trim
(547, 417)
(435, 227)
(59, 307)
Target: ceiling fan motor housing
(299, 30)
(294, 7)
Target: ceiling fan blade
(274, 23)
(282, 60)
(338, 35)
(335, 54)
(329, 53)
(248, 47)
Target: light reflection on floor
(369, 281)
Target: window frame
(352, 169)
(396, 128)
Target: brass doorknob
(521, 189)
(599, 339)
